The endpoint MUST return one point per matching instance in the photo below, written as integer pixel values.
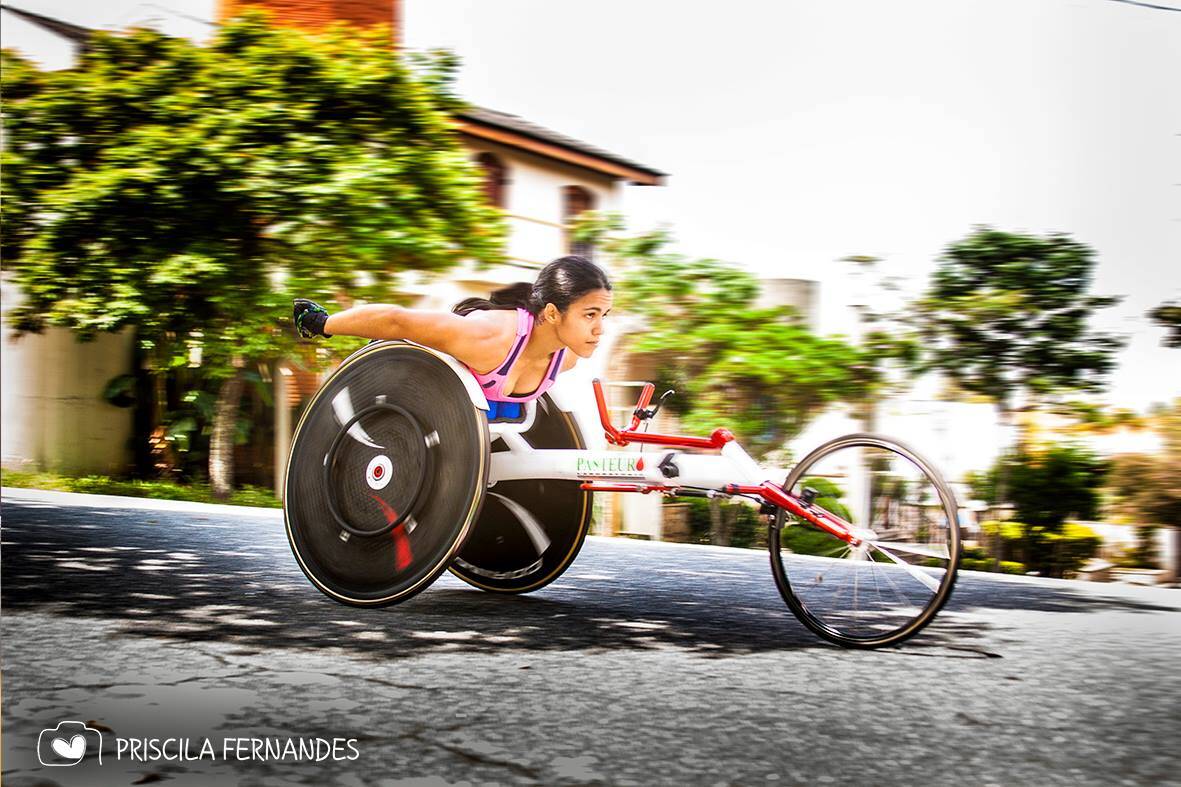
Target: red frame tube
(767, 491)
(775, 494)
(716, 440)
(622, 488)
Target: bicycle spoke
(914, 571)
(928, 550)
(901, 596)
(874, 484)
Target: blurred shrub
(750, 529)
(988, 564)
(978, 559)
(1046, 487)
(809, 540)
(1067, 550)
(158, 490)
(1050, 553)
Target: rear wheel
(889, 586)
(387, 475)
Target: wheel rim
(891, 584)
(406, 473)
(529, 531)
(396, 472)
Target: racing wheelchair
(399, 470)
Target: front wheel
(889, 586)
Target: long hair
(562, 282)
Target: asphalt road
(645, 664)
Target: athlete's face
(581, 327)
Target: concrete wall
(54, 417)
(800, 294)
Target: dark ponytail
(509, 297)
(562, 282)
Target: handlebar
(718, 438)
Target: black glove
(309, 318)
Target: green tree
(1007, 316)
(191, 191)
(1046, 487)
(1168, 316)
(757, 371)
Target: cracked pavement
(645, 663)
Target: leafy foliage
(805, 539)
(190, 191)
(1046, 487)
(829, 496)
(1008, 314)
(978, 559)
(159, 490)
(1092, 418)
(1168, 316)
(759, 371)
(1054, 553)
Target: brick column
(315, 14)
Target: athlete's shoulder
(498, 322)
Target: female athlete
(515, 343)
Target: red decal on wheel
(402, 553)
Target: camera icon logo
(67, 743)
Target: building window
(495, 178)
(575, 201)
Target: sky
(799, 132)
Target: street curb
(142, 503)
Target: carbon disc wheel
(899, 574)
(387, 474)
(529, 531)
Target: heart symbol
(72, 750)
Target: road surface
(647, 663)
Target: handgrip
(645, 398)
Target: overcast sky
(802, 131)
(797, 133)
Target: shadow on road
(187, 576)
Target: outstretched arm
(455, 335)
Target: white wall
(53, 415)
(533, 201)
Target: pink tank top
(493, 382)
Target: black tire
(374, 517)
(529, 531)
(931, 549)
